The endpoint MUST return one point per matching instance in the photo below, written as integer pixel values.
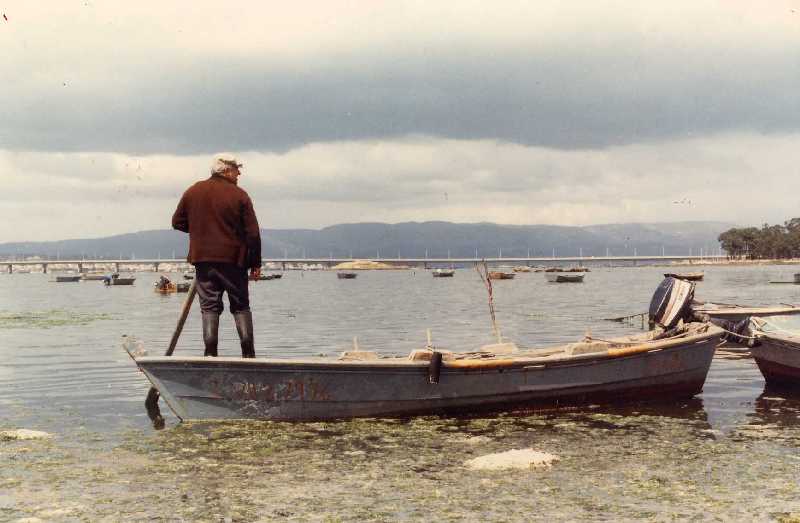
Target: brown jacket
(221, 223)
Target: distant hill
(410, 239)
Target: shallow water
(729, 454)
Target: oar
(151, 403)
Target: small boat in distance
(560, 277)
(688, 276)
(497, 275)
(443, 273)
(522, 268)
(795, 281)
(115, 279)
(346, 275)
(189, 275)
(266, 277)
(165, 286)
(68, 279)
(94, 276)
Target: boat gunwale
(518, 360)
(747, 311)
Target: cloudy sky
(512, 112)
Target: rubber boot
(210, 332)
(244, 326)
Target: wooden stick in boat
(187, 305)
(481, 363)
(151, 402)
(488, 283)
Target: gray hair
(222, 162)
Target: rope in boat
(742, 336)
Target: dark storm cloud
(579, 97)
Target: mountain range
(411, 239)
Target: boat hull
(93, 277)
(233, 388)
(778, 359)
(554, 277)
(120, 281)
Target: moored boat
(560, 277)
(498, 275)
(68, 279)
(443, 273)
(737, 320)
(730, 312)
(794, 281)
(777, 349)
(577, 269)
(688, 276)
(165, 286)
(115, 280)
(94, 276)
(660, 365)
(522, 268)
(346, 275)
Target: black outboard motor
(671, 302)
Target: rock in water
(513, 459)
(23, 434)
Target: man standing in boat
(224, 242)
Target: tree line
(768, 242)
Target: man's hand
(255, 273)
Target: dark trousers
(215, 278)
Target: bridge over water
(120, 264)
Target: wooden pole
(151, 402)
(187, 305)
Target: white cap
(222, 162)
